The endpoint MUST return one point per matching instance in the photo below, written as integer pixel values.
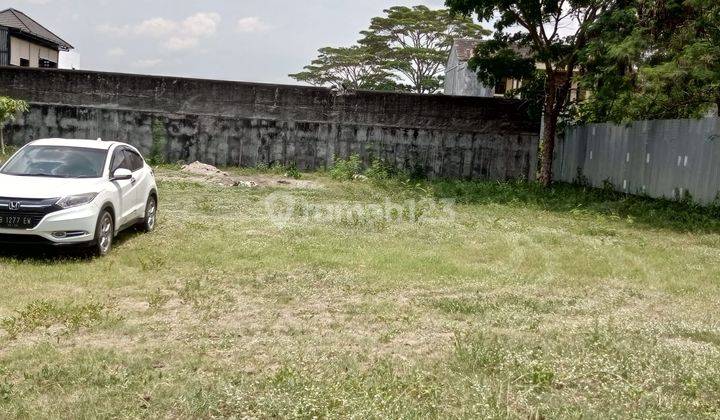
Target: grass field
(518, 303)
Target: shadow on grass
(684, 216)
(51, 254)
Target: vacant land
(519, 303)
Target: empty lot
(517, 303)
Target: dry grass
(510, 310)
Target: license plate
(16, 222)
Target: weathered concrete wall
(662, 158)
(233, 123)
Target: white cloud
(173, 35)
(201, 24)
(116, 52)
(181, 43)
(147, 63)
(114, 30)
(251, 24)
(156, 27)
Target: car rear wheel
(104, 233)
(148, 223)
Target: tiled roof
(465, 48)
(16, 19)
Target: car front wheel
(104, 233)
(148, 223)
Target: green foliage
(495, 59)
(414, 42)
(159, 140)
(548, 32)
(682, 215)
(380, 170)
(9, 108)
(404, 50)
(346, 169)
(355, 67)
(653, 60)
(292, 172)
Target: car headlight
(76, 200)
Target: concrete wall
(233, 123)
(663, 158)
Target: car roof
(88, 144)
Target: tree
(654, 60)
(354, 67)
(414, 42)
(9, 108)
(554, 32)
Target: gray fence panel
(664, 158)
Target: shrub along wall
(246, 124)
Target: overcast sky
(251, 40)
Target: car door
(126, 187)
(140, 178)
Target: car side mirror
(121, 174)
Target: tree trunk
(2, 142)
(547, 141)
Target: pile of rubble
(211, 173)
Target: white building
(459, 79)
(26, 43)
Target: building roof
(16, 19)
(465, 48)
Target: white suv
(75, 192)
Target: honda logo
(14, 205)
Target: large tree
(553, 33)
(406, 49)
(653, 60)
(414, 43)
(355, 67)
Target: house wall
(461, 81)
(4, 51)
(246, 124)
(20, 48)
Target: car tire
(150, 219)
(104, 234)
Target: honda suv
(75, 192)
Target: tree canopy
(552, 33)
(353, 67)
(414, 43)
(653, 60)
(405, 49)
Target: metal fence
(662, 158)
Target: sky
(247, 40)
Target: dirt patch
(205, 173)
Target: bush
(380, 170)
(292, 172)
(159, 139)
(346, 169)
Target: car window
(136, 162)
(119, 160)
(57, 161)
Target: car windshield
(57, 162)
